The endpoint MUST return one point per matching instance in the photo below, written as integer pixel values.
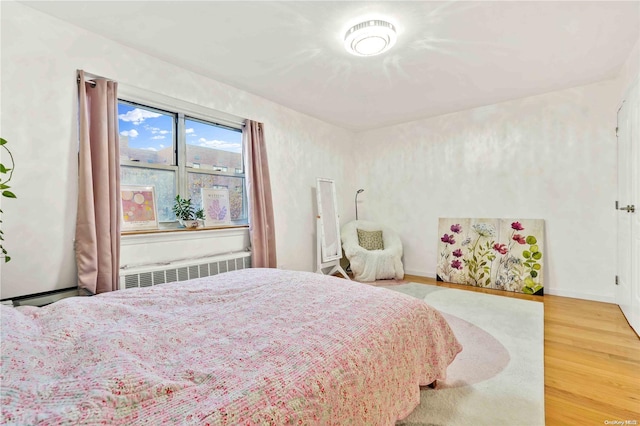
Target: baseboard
(561, 293)
(420, 273)
(580, 295)
(41, 299)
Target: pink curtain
(261, 228)
(98, 220)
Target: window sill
(171, 230)
(162, 235)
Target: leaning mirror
(329, 220)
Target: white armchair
(371, 265)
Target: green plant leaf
(529, 282)
(531, 240)
(527, 290)
(5, 193)
(183, 209)
(537, 266)
(533, 274)
(526, 254)
(534, 248)
(537, 256)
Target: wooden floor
(591, 360)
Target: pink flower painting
(518, 238)
(517, 226)
(500, 248)
(456, 228)
(448, 239)
(214, 210)
(456, 264)
(504, 254)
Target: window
(179, 154)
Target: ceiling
(449, 56)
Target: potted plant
(5, 192)
(186, 213)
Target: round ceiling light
(370, 38)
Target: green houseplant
(4, 180)
(186, 213)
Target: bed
(250, 347)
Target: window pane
(213, 147)
(163, 180)
(235, 186)
(147, 135)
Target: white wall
(631, 69)
(40, 55)
(551, 156)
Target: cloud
(158, 137)
(223, 145)
(161, 145)
(187, 131)
(130, 133)
(156, 130)
(137, 116)
(150, 149)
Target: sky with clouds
(154, 131)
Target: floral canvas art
(138, 207)
(215, 202)
(504, 254)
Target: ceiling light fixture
(370, 38)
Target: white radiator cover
(182, 270)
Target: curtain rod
(89, 77)
(91, 82)
(232, 122)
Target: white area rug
(498, 378)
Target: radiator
(182, 270)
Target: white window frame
(185, 110)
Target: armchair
(371, 265)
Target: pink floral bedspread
(251, 347)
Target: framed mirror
(331, 248)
